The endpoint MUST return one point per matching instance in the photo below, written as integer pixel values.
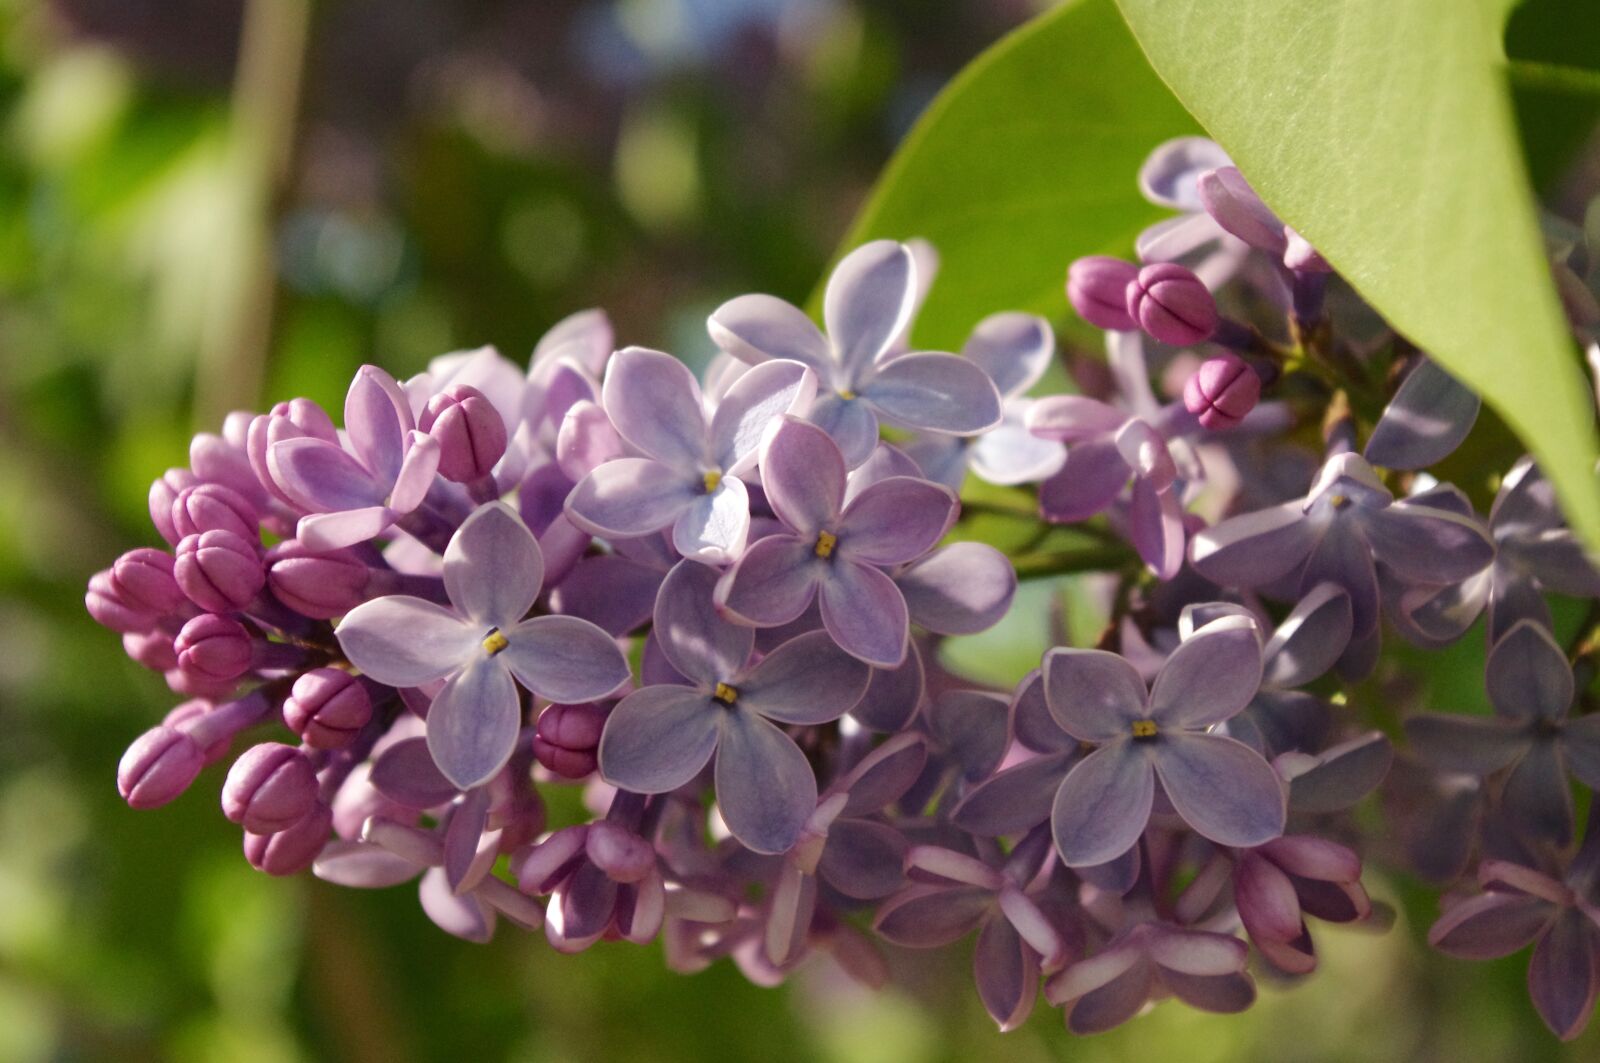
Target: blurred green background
(209, 204)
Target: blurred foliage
(455, 174)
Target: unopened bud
(213, 648)
(567, 739)
(143, 578)
(269, 788)
(292, 849)
(1097, 287)
(619, 852)
(327, 708)
(470, 431)
(321, 585)
(1222, 391)
(158, 767)
(111, 610)
(209, 507)
(219, 571)
(1172, 304)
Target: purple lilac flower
(1534, 552)
(835, 552)
(1428, 418)
(1107, 447)
(690, 476)
(660, 737)
(1347, 521)
(1520, 906)
(1276, 885)
(867, 307)
(1014, 350)
(1530, 737)
(1219, 786)
(493, 572)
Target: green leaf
(1383, 132)
(1026, 161)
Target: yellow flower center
(726, 694)
(1338, 501)
(846, 394)
(1144, 728)
(826, 541)
(494, 642)
(712, 480)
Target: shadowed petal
(1092, 694)
(1429, 416)
(1310, 639)
(1006, 972)
(716, 525)
(1537, 799)
(1089, 481)
(803, 475)
(1103, 805)
(850, 423)
(1427, 545)
(1564, 974)
(807, 680)
(959, 589)
(403, 641)
(658, 738)
(885, 774)
(1113, 1003)
(1221, 788)
(1035, 727)
(1476, 745)
(1255, 548)
(655, 403)
(1225, 994)
(1343, 557)
(1017, 799)
(868, 302)
(1528, 676)
(927, 917)
(754, 328)
(1581, 744)
(893, 695)
(1155, 520)
(697, 641)
(473, 723)
(864, 612)
(629, 497)
(564, 659)
(492, 567)
(772, 583)
(1014, 349)
(765, 787)
(934, 392)
(896, 520)
(1210, 677)
(863, 858)
(1490, 925)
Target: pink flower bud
(1301, 257)
(163, 493)
(292, 849)
(619, 852)
(109, 609)
(213, 648)
(1222, 391)
(295, 419)
(470, 431)
(319, 585)
(209, 507)
(185, 715)
(152, 649)
(1172, 304)
(1096, 287)
(143, 579)
(219, 571)
(269, 788)
(158, 767)
(567, 738)
(327, 708)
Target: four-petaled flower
(492, 572)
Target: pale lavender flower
(358, 490)
(862, 376)
(834, 552)
(691, 477)
(492, 572)
(660, 737)
(1428, 418)
(1346, 522)
(1014, 350)
(1220, 787)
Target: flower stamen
(1144, 728)
(725, 694)
(712, 480)
(494, 642)
(826, 541)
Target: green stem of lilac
(1069, 562)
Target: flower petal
(1017, 799)
(1010, 454)
(1222, 788)
(1210, 677)
(655, 403)
(1564, 974)
(1427, 545)
(403, 641)
(1032, 721)
(869, 302)
(893, 695)
(864, 612)
(322, 477)
(1155, 521)
(658, 738)
(1475, 745)
(1093, 695)
(715, 526)
(850, 423)
(1491, 925)
(896, 520)
(1310, 639)
(934, 392)
(473, 723)
(377, 417)
(1343, 557)
(1528, 676)
(765, 786)
(416, 473)
(629, 497)
(1537, 799)
(1006, 972)
(1429, 416)
(1253, 549)
(931, 916)
(564, 659)
(1074, 419)
(1103, 805)
(807, 680)
(1013, 349)
(803, 475)
(758, 398)
(697, 641)
(492, 568)
(959, 589)
(863, 858)
(772, 583)
(754, 328)
(322, 532)
(1092, 477)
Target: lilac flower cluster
(719, 604)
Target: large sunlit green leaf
(1025, 162)
(1383, 131)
